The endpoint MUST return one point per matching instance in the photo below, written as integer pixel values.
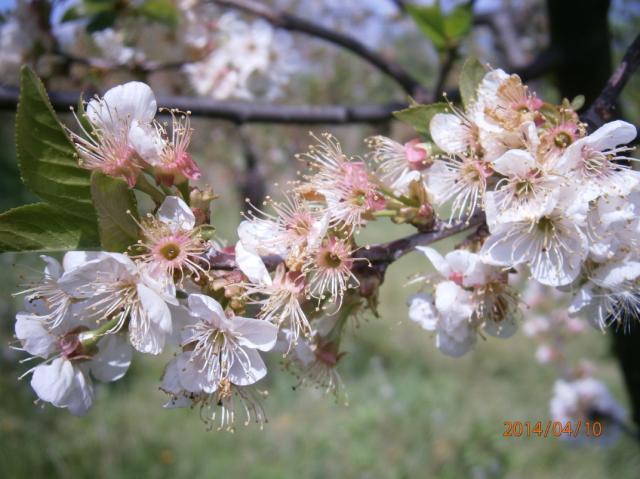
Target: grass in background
(413, 413)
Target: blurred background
(412, 412)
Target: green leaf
(431, 22)
(92, 7)
(101, 21)
(43, 227)
(163, 11)
(470, 77)
(115, 204)
(71, 14)
(419, 116)
(458, 23)
(48, 166)
(577, 102)
(46, 156)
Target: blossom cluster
(220, 55)
(559, 207)
(236, 58)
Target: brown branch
(286, 21)
(379, 256)
(239, 111)
(603, 109)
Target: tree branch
(603, 109)
(239, 111)
(378, 256)
(292, 23)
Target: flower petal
(449, 133)
(53, 382)
(251, 265)
(255, 333)
(422, 310)
(248, 371)
(439, 262)
(207, 308)
(515, 163)
(34, 336)
(175, 213)
(112, 359)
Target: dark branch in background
(603, 109)
(238, 111)
(251, 182)
(144, 68)
(248, 112)
(286, 21)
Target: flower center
(332, 260)
(170, 251)
(563, 139)
(545, 225)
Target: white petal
(175, 213)
(584, 297)
(422, 310)
(612, 134)
(251, 265)
(248, 371)
(207, 308)
(515, 163)
(449, 133)
(452, 301)
(80, 397)
(501, 329)
(255, 333)
(507, 245)
(194, 376)
(560, 264)
(170, 378)
(146, 141)
(613, 275)
(112, 359)
(109, 266)
(439, 263)
(134, 100)
(53, 382)
(151, 323)
(53, 268)
(457, 345)
(34, 336)
(74, 259)
(259, 237)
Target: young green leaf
(431, 22)
(43, 227)
(458, 23)
(115, 204)
(46, 156)
(419, 116)
(163, 11)
(470, 77)
(577, 102)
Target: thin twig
(603, 109)
(286, 21)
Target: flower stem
(145, 186)
(401, 199)
(90, 338)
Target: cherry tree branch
(239, 111)
(379, 256)
(286, 21)
(603, 109)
